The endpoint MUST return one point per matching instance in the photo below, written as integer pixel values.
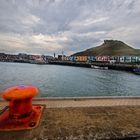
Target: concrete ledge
(86, 98)
(63, 102)
(82, 98)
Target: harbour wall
(114, 66)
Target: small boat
(137, 70)
(99, 67)
(95, 67)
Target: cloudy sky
(48, 26)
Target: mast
(62, 54)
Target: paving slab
(83, 102)
(88, 102)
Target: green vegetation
(111, 48)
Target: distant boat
(99, 67)
(95, 67)
(137, 70)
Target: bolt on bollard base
(29, 122)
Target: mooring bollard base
(25, 123)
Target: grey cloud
(82, 24)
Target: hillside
(110, 48)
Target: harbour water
(66, 81)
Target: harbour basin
(67, 81)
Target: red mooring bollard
(20, 114)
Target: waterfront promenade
(89, 118)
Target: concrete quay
(84, 118)
(62, 102)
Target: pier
(113, 66)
